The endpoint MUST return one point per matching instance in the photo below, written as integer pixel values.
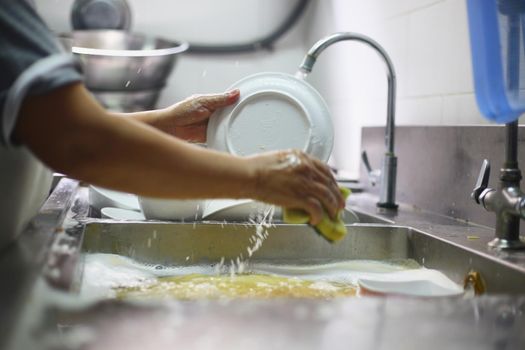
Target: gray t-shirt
(31, 63)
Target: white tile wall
(414, 110)
(393, 8)
(439, 50)
(461, 109)
(428, 42)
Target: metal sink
(368, 218)
(53, 246)
(179, 244)
(453, 247)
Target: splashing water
(301, 74)
(195, 286)
(197, 211)
(262, 222)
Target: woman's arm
(71, 133)
(187, 119)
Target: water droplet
(300, 74)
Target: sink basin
(186, 245)
(55, 246)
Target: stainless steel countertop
(359, 323)
(35, 315)
(463, 233)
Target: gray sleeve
(45, 75)
(31, 60)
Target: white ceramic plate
(418, 283)
(121, 214)
(276, 111)
(102, 197)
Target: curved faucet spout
(389, 168)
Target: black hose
(265, 43)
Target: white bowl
(171, 209)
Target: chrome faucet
(508, 202)
(387, 198)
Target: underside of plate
(253, 123)
(276, 111)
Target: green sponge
(331, 230)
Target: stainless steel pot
(116, 60)
(128, 101)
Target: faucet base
(387, 205)
(505, 244)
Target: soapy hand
(188, 119)
(293, 179)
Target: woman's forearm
(186, 119)
(84, 141)
(140, 159)
(146, 117)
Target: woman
(49, 120)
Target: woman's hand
(188, 119)
(293, 179)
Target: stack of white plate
(125, 206)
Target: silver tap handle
(364, 157)
(373, 175)
(483, 181)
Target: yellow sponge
(331, 230)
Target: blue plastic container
(497, 37)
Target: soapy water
(115, 276)
(291, 160)
(261, 286)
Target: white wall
(429, 45)
(426, 39)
